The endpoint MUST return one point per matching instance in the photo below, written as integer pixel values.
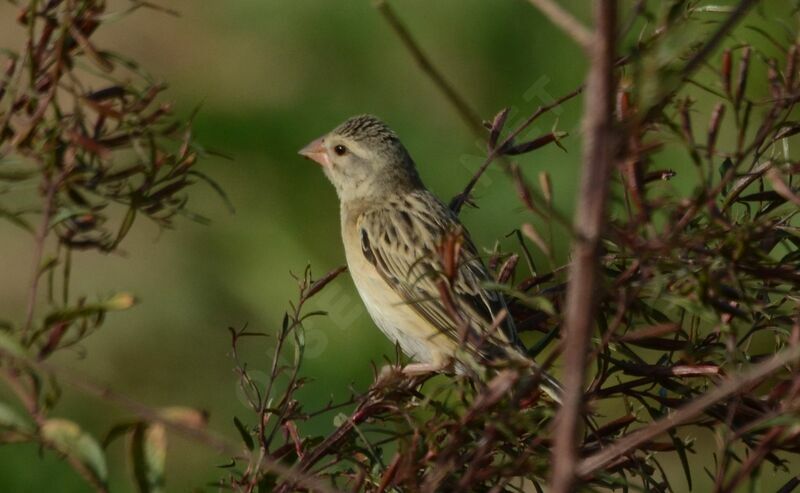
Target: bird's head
(364, 159)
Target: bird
(396, 234)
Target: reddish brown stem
(598, 161)
(686, 413)
(50, 186)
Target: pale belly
(396, 321)
(395, 318)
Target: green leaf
(12, 420)
(69, 439)
(724, 168)
(149, 456)
(680, 448)
(126, 225)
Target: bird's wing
(402, 240)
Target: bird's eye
(340, 150)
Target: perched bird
(395, 234)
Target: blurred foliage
(271, 75)
(92, 155)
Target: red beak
(316, 151)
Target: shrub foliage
(685, 269)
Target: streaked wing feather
(401, 241)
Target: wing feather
(401, 240)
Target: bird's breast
(393, 316)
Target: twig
(459, 200)
(598, 161)
(688, 412)
(701, 55)
(465, 111)
(50, 187)
(565, 21)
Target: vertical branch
(50, 186)
(598, 159)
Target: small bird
(395, 233)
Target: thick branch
(598, 160)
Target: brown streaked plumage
(392, 228)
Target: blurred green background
(271, 76)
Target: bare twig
(702, 54)
(730, 387)
(565, 21)
(50, 187)
(464, 109)
(459, 200)
(598, 161)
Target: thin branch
(465, 111)
(688, 412)
(50, 186)
(565, 21)
(459, 200)
(598, 161)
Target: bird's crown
(366, 128)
